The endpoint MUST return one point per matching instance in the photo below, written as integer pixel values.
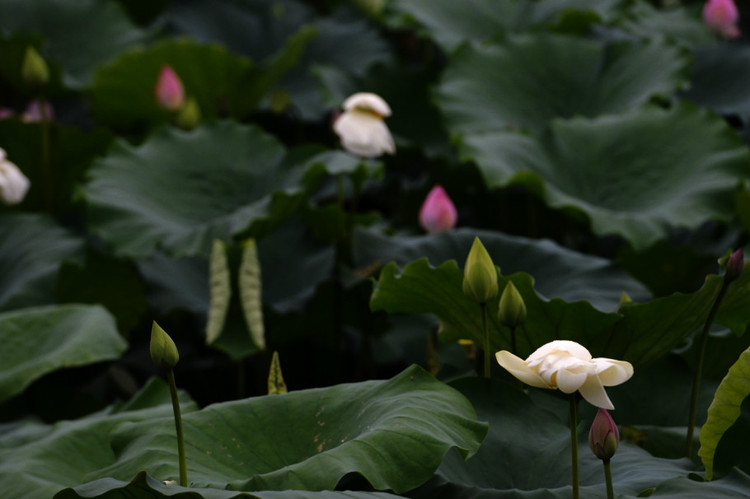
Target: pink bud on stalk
(38, 111)
(722, 16)
(438, 214)
(169, 91)
(603, 436)
(735, 264)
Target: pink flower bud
(438, 213)
(34, 114)
(169, 91)
(603, 436)
(735, 265)
(721, 16)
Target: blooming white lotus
(568, 366)
(13, 183)
(361, 127)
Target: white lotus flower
(361, 127)
(568, 366)
(13, 183)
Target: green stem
(178, 426)
(608, 479)
(486, 336)
(699, 366)
(574, 443)
(514, 349)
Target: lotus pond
(369, 249)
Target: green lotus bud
(480, 275)
(512, 310)
(603, 436)
(189, 115)
(34, 70)
(163, 350)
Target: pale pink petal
(593, 392)
(369, 101)
(568, 381)
(612, 372)
(571, 347)
(518, 368)
(13, 183)
(364, 134)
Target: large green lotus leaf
(650, 329)
(394, 433)
(72, 151)
(527, 80)
(718, 72)
(288, 283)
(527, 455)
(257, 28)
(179, 191)
(725, 409)
(39, 340)
(146, 487)
(38, 460)
(223, 84)
(450, 23)
(176, 283)
(633, 174)
(81, 35)
(640, 333)
(421, 288)
(32, 249)
(681, 24)
(345, 42)
(558, 272)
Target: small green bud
(603, 436)
(163, 350)
(512, 310)
(480, 275)
(189, 115)
(34, 70)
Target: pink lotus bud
(735, 265)
(169, 91)
(721, 16)
(34, 114)
(437, 213)
(603, 436)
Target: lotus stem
(699, 366)
(574, 444)
(608, 479)
(178, 427)
(486, 337)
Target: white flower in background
(361, 127)
(568, 366)
(13, 184)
